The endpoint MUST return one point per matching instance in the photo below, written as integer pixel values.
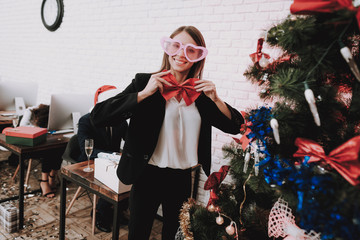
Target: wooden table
(6, 120)
(55, 144)
(6, 116)
(74, 173)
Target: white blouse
(177, 146)
(25, 120)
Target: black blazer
(146, 119)
(102, 141)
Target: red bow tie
(185, 89)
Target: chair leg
(27, 174)
(73, 200)
(15, 173)
(93, 216)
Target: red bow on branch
(213, 182)
(256, 56)
(244, 140)
(323, 6)
(185, 89)
(344, 159)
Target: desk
(6, 121)
(74, 173)
(54, 143)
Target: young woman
(171, 115)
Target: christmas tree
(296, 168)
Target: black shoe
(102, 226)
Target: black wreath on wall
(52, 12)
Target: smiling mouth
(179, 61)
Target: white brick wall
(109, 41)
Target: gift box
(9, 217)
(105, 171)
(27, 136)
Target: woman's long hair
(40, 116)
(197, 69)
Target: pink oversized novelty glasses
(192, 53)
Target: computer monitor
(10, 90)
(62, 107)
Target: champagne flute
(15, 120)
(89, 145)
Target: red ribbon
(244, 140)
(256, 56)
(344, 159)
(323, 6)
(185, 89)
(213, 182)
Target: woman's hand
(208, 88)
(155, 83)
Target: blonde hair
(197, 69)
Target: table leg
(21, 193)
(62, 208)
(93, 215)
(116, 220)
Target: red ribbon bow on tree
(256, 56)
(185, 89)
(213, 182)
(344, 159)
(323, 6)
(244, 140)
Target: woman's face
(178, 62)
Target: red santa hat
(101, 90)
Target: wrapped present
(25, 135)
(9, 217)
(105, 171)
(9, 227)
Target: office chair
(71, 154)
(27, 173)
(72, 150)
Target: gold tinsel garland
(185, 223)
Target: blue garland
(314, 191)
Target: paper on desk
(69, 135)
